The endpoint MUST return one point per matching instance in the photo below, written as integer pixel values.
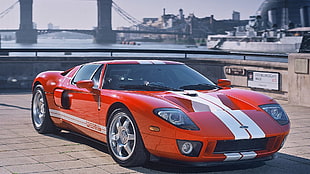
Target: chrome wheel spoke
(128, 148)
(122, 136)
(126, 124)
(119, 150)
(131, 137)
(114, 137)
(118, 123)
(41, 117)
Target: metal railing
(185, 53)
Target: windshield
(154, 77)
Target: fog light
(189, 148)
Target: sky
(82, 14)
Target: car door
(82, 105)
(86, 102)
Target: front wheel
(124, 140)
(40, 113)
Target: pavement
(23, 150)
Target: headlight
(176, 117)
(276, 112)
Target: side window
(87, 72)
(96, 77)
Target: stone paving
(23, 150)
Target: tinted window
(86, 72)
(135, 76)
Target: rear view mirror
(224, 83)
(88, 84)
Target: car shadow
(174, 168)
(282, 164)
(81, 139)
(15, 106)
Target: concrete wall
(260, 66)
(18, 72)
(299, 79)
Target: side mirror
(88, 84)
(224, 83)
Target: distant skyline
(82, 14)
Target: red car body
(229, 124)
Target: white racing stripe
(253, 128)
(233, 119)
(151, 62)
(232, 124)
(76, 120)
(144, 62)
(158, 62)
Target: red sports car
(163, 109)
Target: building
(51, 26)
(7, 36)
(272, 14)
(197, 27)
(236, 16)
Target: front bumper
(218, 151)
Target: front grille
(230, 146)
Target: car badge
(244, 127)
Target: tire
(40, 115)
(124, 140)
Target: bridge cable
(132, 20)
(6, 11)
(129, 18)
(125, 15)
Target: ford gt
(163, 109)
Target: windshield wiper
(160, 86)
(134, 87)
(150, 87)
(201, 86)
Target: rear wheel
(40, 113)
(124, 140)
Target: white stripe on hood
(234, 120)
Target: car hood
(228, 113)
(206, 101)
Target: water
(89, 43)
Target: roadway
(23, 150)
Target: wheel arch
(114, 106)
(48, 79)
(36, 83)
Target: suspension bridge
(103, 33)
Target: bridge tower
(104, 33)
(26, 32)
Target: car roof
(136, 62)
